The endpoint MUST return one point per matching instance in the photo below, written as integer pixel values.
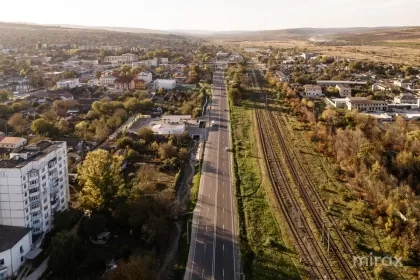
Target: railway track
(308, 190)
(309, 249)
(309, 195)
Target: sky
(215, 15)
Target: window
(26, 202)
(24, 178)
(2, 262)
(46, 207)
(45, 200)
(26, 194)
(46, 223)
(43, 177)
(27, 210)
(21, 259)
(62, 200)
(46, 216)
(21, 249)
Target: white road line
(223, 195)
(223, 226)
(223, 271)
(223, 247)
(223, 210)
(205, 245)
(202, 274)
(206, 227)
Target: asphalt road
(214, 252)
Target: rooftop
(363, 100)
(312, 87)
(11, 140)
(9, 236)
(34, 152)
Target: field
(406, 52)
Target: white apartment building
(363, 104)
(343, 90)
(34, 185)
(16, 243)
(145, 76)
(313, 91)
(106, 81)
(125, 58)
(68, 83)
(166, 84)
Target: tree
(235, 95)
(101, 178)
(97, 74)
(5, 95)
(167, 151)
(183, 154)
(144, 266)
(42, 127)
(146, 134)
(63, 126)
(18, 122)
(65, 254)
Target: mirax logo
(372, 260)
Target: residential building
(343, 90)
(313, 91)
(34, 185)
(403, 83)
(123, 83)
(53, 75)
(90, 62)
(68, 83)
(106, 81)
(307, 56)
(380, 87)
(166, 84)
(222, 54)
(125, 58)
(164, 60)
(334, 83)
(282, 77)
(15, 243)
(406, 98)
(12, 142)
(23, 88)
(52, 94)
(146, 76)
(364, 104)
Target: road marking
(223, 226)
(223, 183)
(223, 247)
(206, 227)
(223, 210)
(223, 271)
(209, 195)
(205, 245)
(202, 273)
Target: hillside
(14, 34)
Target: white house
(34, 185)
(106, 81)
(403, 83)
(344, 90)
(12, 142)
(312, 91)
(70, 83)
(406, 98)
(168, 129)
(166, 84)
(15, 243)
(164, 60)
(146, 76)
(23, 88)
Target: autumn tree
(101, 178)
(167, 151)
(146, 134)
(131, 270)
(18, 122)
(5, 95)
(42, 127)
(65, 254)
(235, 95)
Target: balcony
(34, 192)
(56, 206)
(35, 209)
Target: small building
(406, 98)
(222, 54)
(68, 83)
(380, 87)
(168, 129)
(164, 60)
(364, 104)
(403, 83)
(344, 90)
(307, 56)
(165, 84)
(106, 81)
(15, 243)
(282, 77)
(145, 76)
(12, 142)
(313, 91)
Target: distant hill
(350, 33)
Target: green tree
(101, 178)
(235, 95)
(183, 154)
(63, 126)
(18, 122)
(146, 134)
(42, 127)
(5, 95)
(131, 270)
(65, 254)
